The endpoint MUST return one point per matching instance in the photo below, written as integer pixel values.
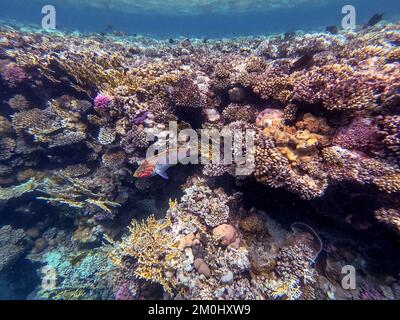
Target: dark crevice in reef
(18, 282)
(334, 217)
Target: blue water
(306, 16)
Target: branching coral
(344, 165)
(106, 135)
(206, 203)
(234, 112)
(389, 135)
(273, 85)
(186, 93)
(390, 217)
(152, 246)
(336, 87)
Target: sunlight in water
(192, 6)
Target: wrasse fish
(159, 164)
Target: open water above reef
(76, 104)
(215, 22)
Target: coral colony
(98, 217)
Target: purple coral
(141, 117)
(14, 74)
(124, 293)
(359, 135)
(102, 102)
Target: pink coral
(124, 293)
(359, 135)
(102, 102)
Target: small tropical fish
(160, 163)
(289, 35)
(303, 62)
(332, 29)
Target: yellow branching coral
(280, 289)
(19, 190)
(154, 248)
(72, 192)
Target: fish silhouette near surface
(376, 18)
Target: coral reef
(320, 115)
